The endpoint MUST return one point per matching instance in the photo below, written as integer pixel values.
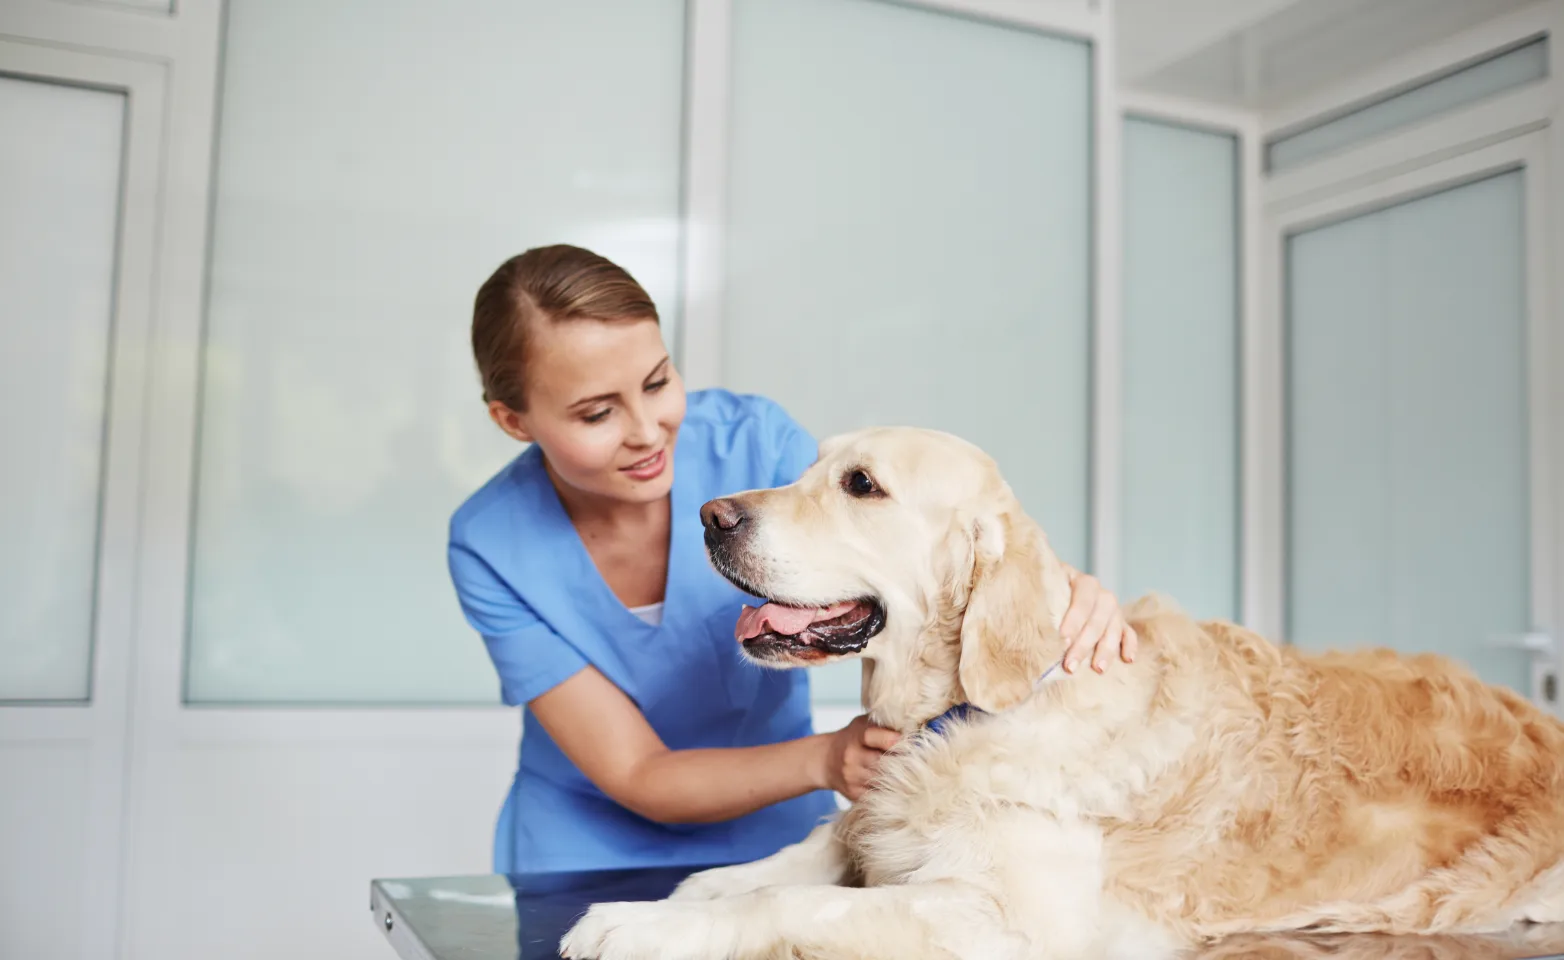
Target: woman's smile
(647, 468)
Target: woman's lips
(648, 469)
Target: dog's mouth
(778, 631)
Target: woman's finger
(1092, 631)
(1110, 646)
(1097, 627)
(880, 738)
(1076, 652)
(1131, 644)
(1083, 600)
(861, 764)
(861, 777)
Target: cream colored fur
(1219, 785)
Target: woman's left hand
(1094, 626)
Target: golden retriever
(1218, 785)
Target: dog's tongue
(788, 621)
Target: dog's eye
(860, 484)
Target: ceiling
(1263, 54)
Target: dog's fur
(1218, 785)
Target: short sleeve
(530, 658)
(794, 448)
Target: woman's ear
(1009, 635)
(509, 420)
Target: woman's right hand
(853, 754)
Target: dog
(1219, 785)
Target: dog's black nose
(722, 516)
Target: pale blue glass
(1179, 480)
(1508, 70)
(1407, 445)
(59, 210)
(910, 238)
(375, 161)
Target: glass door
(1416, 433)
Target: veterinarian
(650, 741)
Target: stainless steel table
(495, 917)
(492, 917)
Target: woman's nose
(644, 430)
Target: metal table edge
(386, 917)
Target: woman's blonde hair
(556, 284)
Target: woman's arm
(608, 739)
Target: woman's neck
(627, 541)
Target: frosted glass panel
(59, 206)
(909, 237)
(376, 160)
(1407, 448)
(1180, 350)
(1476, 82)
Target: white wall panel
(267, 850)
(44, 858)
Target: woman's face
(605, 404)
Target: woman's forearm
(608, 739)
(712, 785)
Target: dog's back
(1362, 791)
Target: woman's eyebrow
(657, 369)
(605, 397)
(600, 398)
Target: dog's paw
(637, 931)
(588, 939)
(715, 884)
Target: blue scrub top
(528, 585)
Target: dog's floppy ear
(1008, 636)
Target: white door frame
(101, 725)
(1368, 190)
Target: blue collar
(960, 711)
(965, 711)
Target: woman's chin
(646, 491)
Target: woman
(581, 563)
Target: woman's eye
(654, 387)
(860, 484)
(597, 417)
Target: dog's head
(904, 547)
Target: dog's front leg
(819, 858)
(1048, 871)
(943, 920)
